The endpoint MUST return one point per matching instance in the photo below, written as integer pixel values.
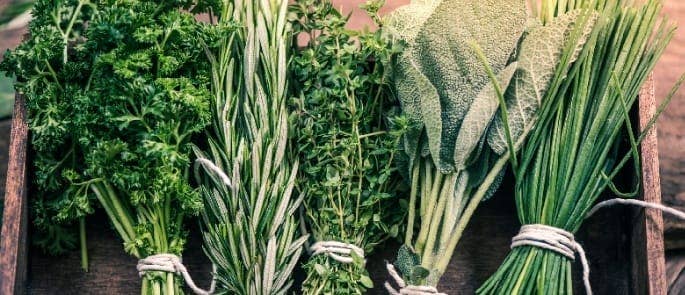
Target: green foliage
(6, 96)
(444, 73)
(572, 156)
(114, 93)
(540, 52)
(468, 67)
(409, 264)
(343, 131)
(249, 223)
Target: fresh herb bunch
(342, 125)
(458, 69)
(114, 92)
(562, 170)
(249, 223)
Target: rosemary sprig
(250, 231)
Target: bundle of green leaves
(114, 92)
(250, 230)
(465, 60)
(562, 169)
(342, 132)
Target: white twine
(407, 289)
(553, 239)
(172, 263)
(563, 242)
(677, 213)
(338, 251)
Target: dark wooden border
(649, 266)
(13, 242)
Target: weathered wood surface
(13, 238)
(649, 269)
(5, 130)
(672, 126)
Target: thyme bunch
(344, 131)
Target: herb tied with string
(573, 155)
(460, 70)
(250, 229)
(114, 92)
(346, 133)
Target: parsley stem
(84, 247)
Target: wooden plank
(672, 126)
(649, 268)
(6, 129)
(14, 225)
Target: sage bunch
(572, 156)
(464, 63)
(249, 226)
(345, 135)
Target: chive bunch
(572, 155)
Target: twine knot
(171, 263)
(546, 237)
(338, 251)
(556, 240)
(405, 289)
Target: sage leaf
(539, 55)
(438, 76)
(417, 94)
(477, 120)
(448, 61)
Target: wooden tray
(624, 245)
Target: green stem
(470, 209)
(156, 288)
(170, 285)
(104, 197)
(84, 246)
(430, 210)
(434, 223)
(122, 214)
(412, 203)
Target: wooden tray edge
(648, 258)
(13, 244)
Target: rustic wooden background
(671, 125)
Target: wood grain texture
(649, 269)
(5, 131)
(13, 239)
(672, 125)
(675, 266)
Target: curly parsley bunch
(115, 90)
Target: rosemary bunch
(343, 136)
(571, 158)
(250, 232)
